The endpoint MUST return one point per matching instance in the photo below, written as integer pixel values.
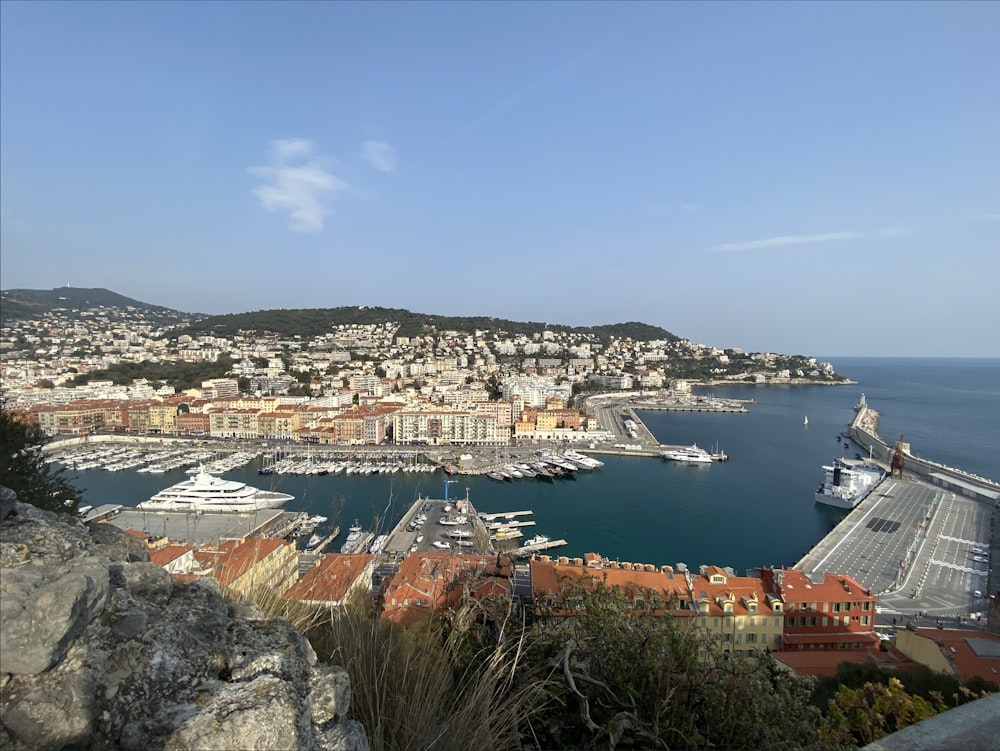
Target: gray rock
(344, 736)
(261, 714)
(43, 608)
(116, 544)
(8, 499)
(148, 581)
(115, 655)
(50, 710)
(329, 695)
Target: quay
(652, 406)
(198, 529)
(923, 542)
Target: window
(865, 620)
(825, 621)
(715, 622)
(752, 620)
(826, 607)
(751, 637)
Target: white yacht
(689, 454)
(207, 493)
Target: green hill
(24, 304)
(316, 321)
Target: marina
(714, 514)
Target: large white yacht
(692, 454)
(207, 493)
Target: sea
(755, 509)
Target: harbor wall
(864, 432)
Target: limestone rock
(105, 651)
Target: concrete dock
(914, 545)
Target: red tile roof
(166, 554)
(331, 580)
(969, 652)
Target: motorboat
(442, 545)
(356, 539)
(206, 493)
(536, 540)
(692, 454)
(314, 542)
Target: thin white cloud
(297, 183)
(380, 155)
(775, 242)
(782, 240)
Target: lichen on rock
(99, 648)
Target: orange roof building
(254, 562)
(333, 580)
(823, 611)
(735, 611)
(963, 653)
(436, 582)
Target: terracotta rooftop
(166, 554)
(970, 652)
(331, 580)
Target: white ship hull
(845, 484)
(204, 493)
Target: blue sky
(793, 177)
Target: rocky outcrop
(100, 649)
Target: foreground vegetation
(24, 470)
(493, 675)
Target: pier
(538, 547)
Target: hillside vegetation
(25, 304)
(311, 322)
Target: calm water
(756, 509)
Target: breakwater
(864, 431)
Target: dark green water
(757, 508)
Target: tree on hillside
(23, 468)
(632, 678)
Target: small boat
(314, 541)
(354, 538)
(442, 545)
(536, 540)
(806, 422)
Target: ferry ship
(205, 493)
(845, 484)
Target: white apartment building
(437, 426)
(534, 390)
